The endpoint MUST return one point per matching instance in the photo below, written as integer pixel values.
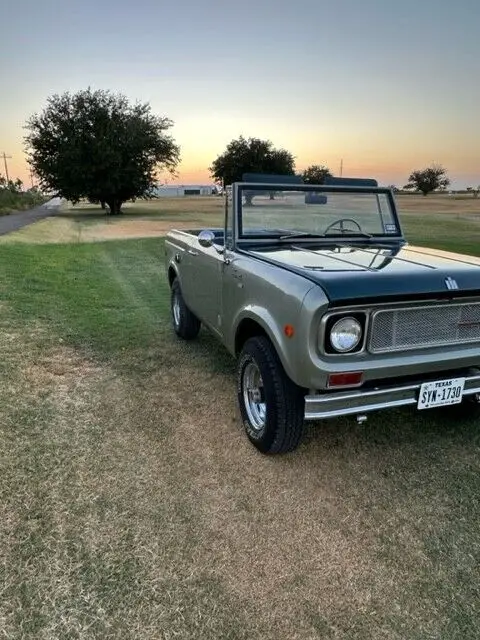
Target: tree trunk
(115, 206)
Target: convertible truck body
(318, 285)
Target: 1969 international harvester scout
(327, 308)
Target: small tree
(473, 191)
(316, 174)
(429, 179)
(250, 155)
(95, 145)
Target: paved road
(21, 219)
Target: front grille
(420, 327)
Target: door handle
(192, 252)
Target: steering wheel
(340, 221)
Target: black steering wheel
(340, 221)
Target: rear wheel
(271, 405)
(185, 324)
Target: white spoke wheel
(271, 405)
(176, 309)
(254, 396)
(185, 324)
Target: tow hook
(361, 419)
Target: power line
(6, 167)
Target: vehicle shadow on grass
(404, 443)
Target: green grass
(104, 296)
(451, 233)
(132, 506)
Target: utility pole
(341, 167)
(31, 177)
(6, 167)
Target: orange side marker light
(288, 330)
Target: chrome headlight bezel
(334, 320)
(348, 331)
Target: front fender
(286, 347)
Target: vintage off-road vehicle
(328, 309)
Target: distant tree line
(13, 197)
(95, 145)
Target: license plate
(440, 393)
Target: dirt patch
(64, 230)
(131, 229)
(61, 366)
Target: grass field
(132, 504)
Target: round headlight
(345, 334)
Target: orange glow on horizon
(192, 172)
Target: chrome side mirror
(206, 238)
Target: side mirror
(206, 238)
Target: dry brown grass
(438, 203)
(151, 515)
(142, 219)
(85, 223)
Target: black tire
(283, 401)
(185, 324)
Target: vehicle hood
(371, 272)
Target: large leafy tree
(429, 179)
(250, 155)
(95, 145)
(316, 174)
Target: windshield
(302, 211)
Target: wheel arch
(248, 328)
(259, 323)
(172, 274)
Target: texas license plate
(440, 393)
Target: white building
(174, 190)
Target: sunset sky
(387, 86)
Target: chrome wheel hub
(176, 309)
(254, 396)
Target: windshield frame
(241, 187)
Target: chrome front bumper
(358, 401)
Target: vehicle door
(207, 269)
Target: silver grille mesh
(418, 327)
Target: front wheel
(185, 324)
(271, 405)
